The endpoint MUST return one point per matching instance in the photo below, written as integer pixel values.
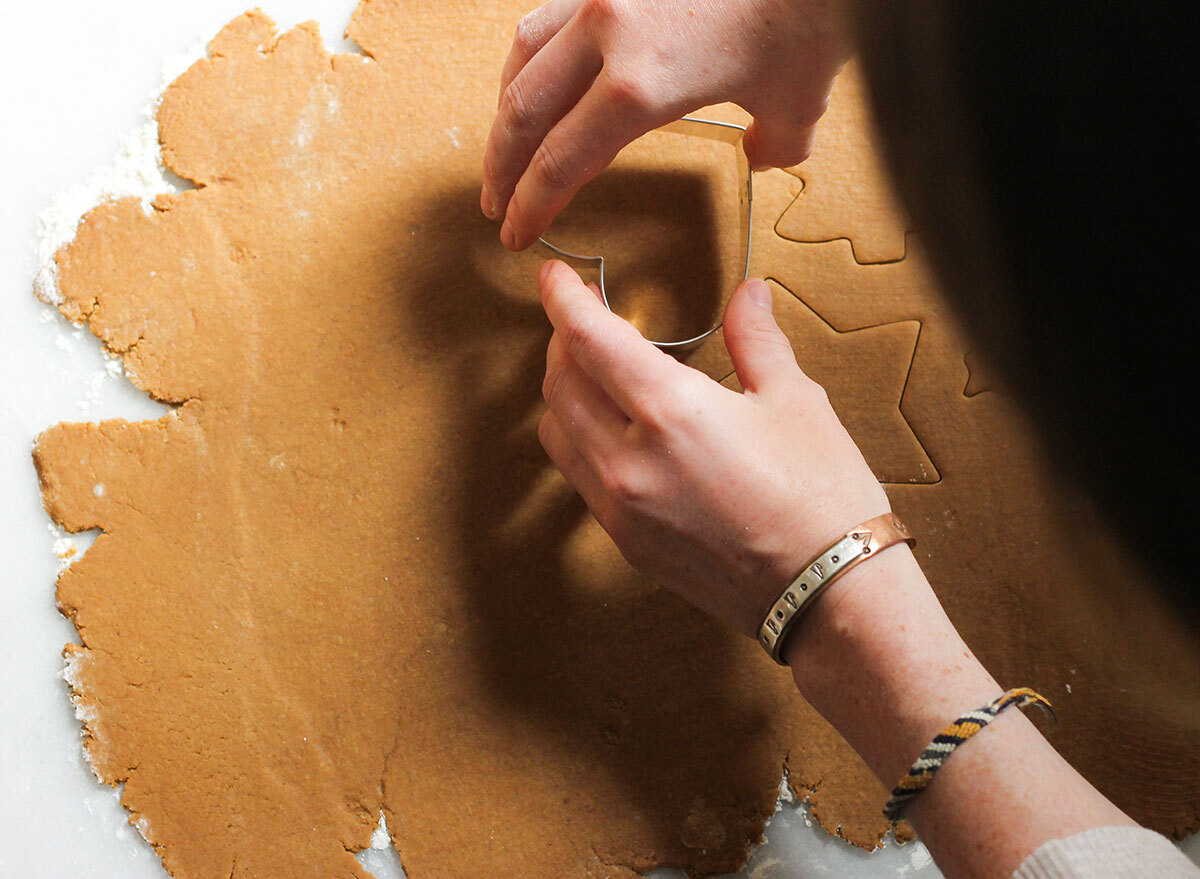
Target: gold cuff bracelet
(855, 546)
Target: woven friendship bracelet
(944, 743)
(854, 547)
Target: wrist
(863, 543)
(878, 658)
(860, 602)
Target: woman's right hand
(717, 495)
(585, 78)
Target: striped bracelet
(944, 743)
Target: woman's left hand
(586, 77)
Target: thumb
(777, 143)
(761, 353)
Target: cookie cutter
(724, 132)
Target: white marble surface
(75, 75)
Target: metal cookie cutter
(725, 132)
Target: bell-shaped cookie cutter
(725, 132)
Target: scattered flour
(787, 796)
(137, 170)
(71, 665)
(380, 859)
(65, 549)
(65, 546)
(767, 868)
(84, 713)
(143, 827)
(920, 858)
(381, 839)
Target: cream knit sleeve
(1111, 853)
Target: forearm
(878, 657)
(715, 495)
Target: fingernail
(543, 271)
(508, 235)
(760, 293)
(489, 209)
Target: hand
(719, 496)
(585, 78)
(722, 496)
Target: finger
(591, 285)
(592, 421)
(607, 348)
(761, 353)
(570, 463)
(613, 113)
(777, 142)
(544, 91)
(534, 31)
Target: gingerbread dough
(847, 193)
(342, 577)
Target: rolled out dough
(342, 577)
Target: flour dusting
(136, 170)
(380, 838)
(920, 858)
(143, 827)
(65, 547)
(787, 796)
(72, 665)
(380, 859)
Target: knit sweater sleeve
(1112, 852)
